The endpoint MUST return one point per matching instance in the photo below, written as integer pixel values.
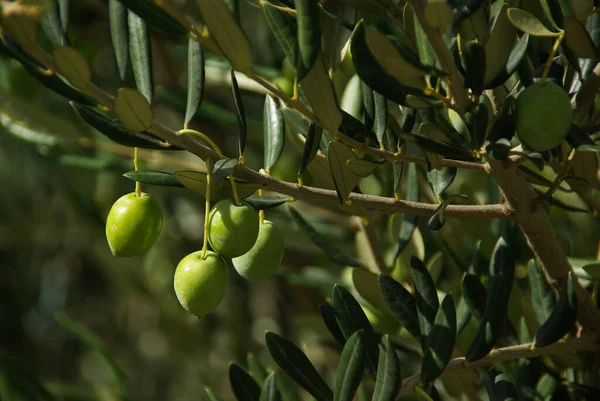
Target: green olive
(260, 262)
(285, 84)
(232, 229)
(133, 225)
(543, 116)
(200, 284)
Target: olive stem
(236, 196)
(207, 206)
(136, 167)
(548, 64)
(204, 137)
(422, 393)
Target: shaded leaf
(284, 28)
(274, 132)
(350, 368)
(241, 113)
(119, 34)
(270, 392)
(474, 295)
(389, 376)
(426, 298)
(243, 385)
(562, 319)
(155, 16)
(440, 180)
(320, 94)
(264, 202)
(528, 23)
(224, 168)
(195, 84)
(542, 295)
(52, 26)
(330, 319)
(140, 54)
(152, 177)
(401, 303)
(311, 146)
(309, 36)
(440, 343)
(256, 370)
(133, 110)
(410, 220)
(340, 155)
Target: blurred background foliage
(58, 278)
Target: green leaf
(410, 220)
(577, 39)
(340, 155)
(365, 283)
(286, 386)
(440, 180)
(508, 69)
(503, 262)
(334, 253)
(211, 394)
(438, 147)
(119, 34)
(424, 49)
(241, 113)
(500, 42)
(71, 65)
(293, 362)
(284, 28)
(243, 385)
(542, 295)
(440, 344)
(350, 368)
(381, 115)
(437, 220)
(475, 59)
(504, 125)
(115, 131)
(309, 36)
(528, 23)
(224, 168)
(52, 26)
(140, 54)
(593, 28)
(562, 319)
(311, 146)
(270, 392)
(230, 37)
(504, 389)
(133, 110)
(360, 167)
(152, 177)
(256, 370)
(196, 182)
(330, 319)
(389, 377)
(264, 202)
(593, 269)
(64, 7)
(320, 94)
(274, 132)
(474, 294)
(401, 303)
(155, 16)
(426, 298)
(195, 84)
(351, 319)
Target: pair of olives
(234, 232)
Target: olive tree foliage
(400, 94)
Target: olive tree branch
(507, 354)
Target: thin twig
(506, 354)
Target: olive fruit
(261, 261)
(232, 229)
(200, 284)
(543, 116)
(133, 224)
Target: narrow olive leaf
(350, 368)
(503, 127)
(52, 81)
(381, 115)
(224, 168)
(562, 319)
(351, 319)
(274, 132)
(119, 34)
(196, 181)
(309, 36)
(71, 65)
(212, 396)
(517, 55)
(241, 113)
(426, 298)
(479, 123)
(528, 23)
(440, 180)
(140, 54)
(475, 65)
(264, 202)
(284, 28)
(437, 220)
(243, 385)
(195, 84)
(152, 177)
(320, 94)
(52, 26)
(64, 7)
(334, 253)
(361, 168)
(410, 220)
(577, 39)
(155, 16)
(330, 319)
(493, 321)
(133, 110)
(286, 386)
(115, 131)
(503, 262)
(311, 146)
(368, 106)
(542, 295)
(440, 343)
(270, 392)
(345, 180)
(297, 365)
(389, 376)
(504, 389)
(401, 303)
(592, 26)
(474, 295)
(228, 34)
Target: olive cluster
(236, 232)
